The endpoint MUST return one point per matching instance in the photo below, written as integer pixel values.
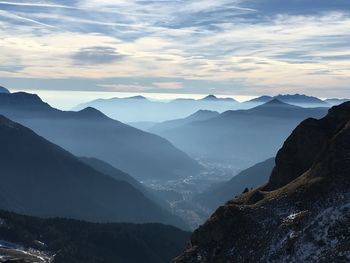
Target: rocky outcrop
(307, 141)
(301, 215)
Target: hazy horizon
(68, 99)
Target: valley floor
(179, 193)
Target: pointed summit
(302, 100)
(91, 112)
(24, 101)
(214, 98)
(138, 97)
(261, 99)
(275, 103)
(210, 98)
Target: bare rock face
(301, 215)
(307, 141)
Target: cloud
(16, 17)
(168, 85)
(30, 4)
(97, 55)
(226, 42)
(124, 87)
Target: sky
(239, 47)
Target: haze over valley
(173, 163)
(178, 131)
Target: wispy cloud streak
(212, 41)
(24, 4)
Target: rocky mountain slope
(301, 215)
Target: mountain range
(90, 133)
(296, 99)
(302, 214)
(241, 137)
(144, 112)
(141, 109)
(41, 179)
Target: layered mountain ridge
(301, 215)
(41, 179)
(136, 109)
(240, 137)
(92, 134)
(300, 100)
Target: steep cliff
(301, 215)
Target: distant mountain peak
(292, 96)
(91, 112)
(4, 90)
(275, 103)
(22, 99)
(138, 97)
(214, 98)
(297, 99)
(261, 99)
(265, 97)
(300, 98)
(210, 97)
(204, 112)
